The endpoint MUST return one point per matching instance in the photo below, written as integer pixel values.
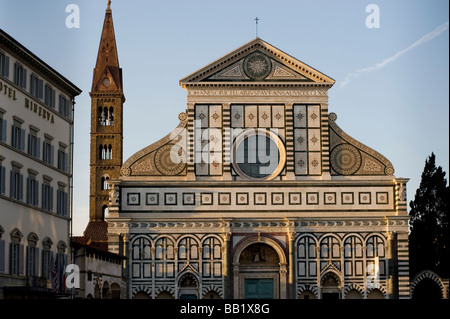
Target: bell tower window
(106, 116)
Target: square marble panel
(265, 118)
(329, 198)
(170, 198)
(251, 116)
(313, 116)
(133, 199)
(365, 198)
(277, 198)
(278, 116)
(242, 198)
(215, 116)
(299, 115)
(301, 163)
(188, 198)
(152, 198)
(259, 198)
(312, 198)
(382, 198)
(314, 163)
(314, 140)
(300, 139)
(347, 198)
(295, 198)
(224, 198)
(237, 116)
(206, 198)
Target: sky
(390, 61)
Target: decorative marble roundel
(164, 162)
(257, 66)
(345, 159)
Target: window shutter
(46, 95)
(60, 106)
(16, 74)
(6, 67)
(43, 196)
(4, 130)
(30, 149)
(52, 154)
(24, 79)
(29, 197)
(51, 198)
(36, 197)
(53, 99)
(21, 251)
(66, 162)
(28, 265)
(13, 136)
(20, 187)
(65, 203)
(22, 140)
(2, 256)
(2, 180)
(40, 89)
(36, 261)
(11, 184)
(38, 147)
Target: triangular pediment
(257, 61)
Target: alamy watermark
(73, 19)
(373, 19)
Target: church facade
(257, 193)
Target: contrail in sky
(427, 37)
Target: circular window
(258, 154)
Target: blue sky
(391, 90)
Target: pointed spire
(107, 58)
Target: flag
(54, 274)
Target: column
(292, 294)
(226, 266)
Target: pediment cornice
(232, 69)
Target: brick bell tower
(107, 100)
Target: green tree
(429, 243)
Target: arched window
(106, 116)
(16, 253)
(164, 249)
(212, 256)
(306, 252)
(105, 211)
(32, 255)
(105, 152)
(330, 250)
(101, 116)
(164, 256)
(141, 256)
(375, 257)
(111, 116)
(188, 249)
(104, 182)
(353, 256)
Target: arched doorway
(330, 285)
(259, 266)
(141, 295)
(375, 294)
(427, 289)
(115, 291)
(188, 287)
(164, 295)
